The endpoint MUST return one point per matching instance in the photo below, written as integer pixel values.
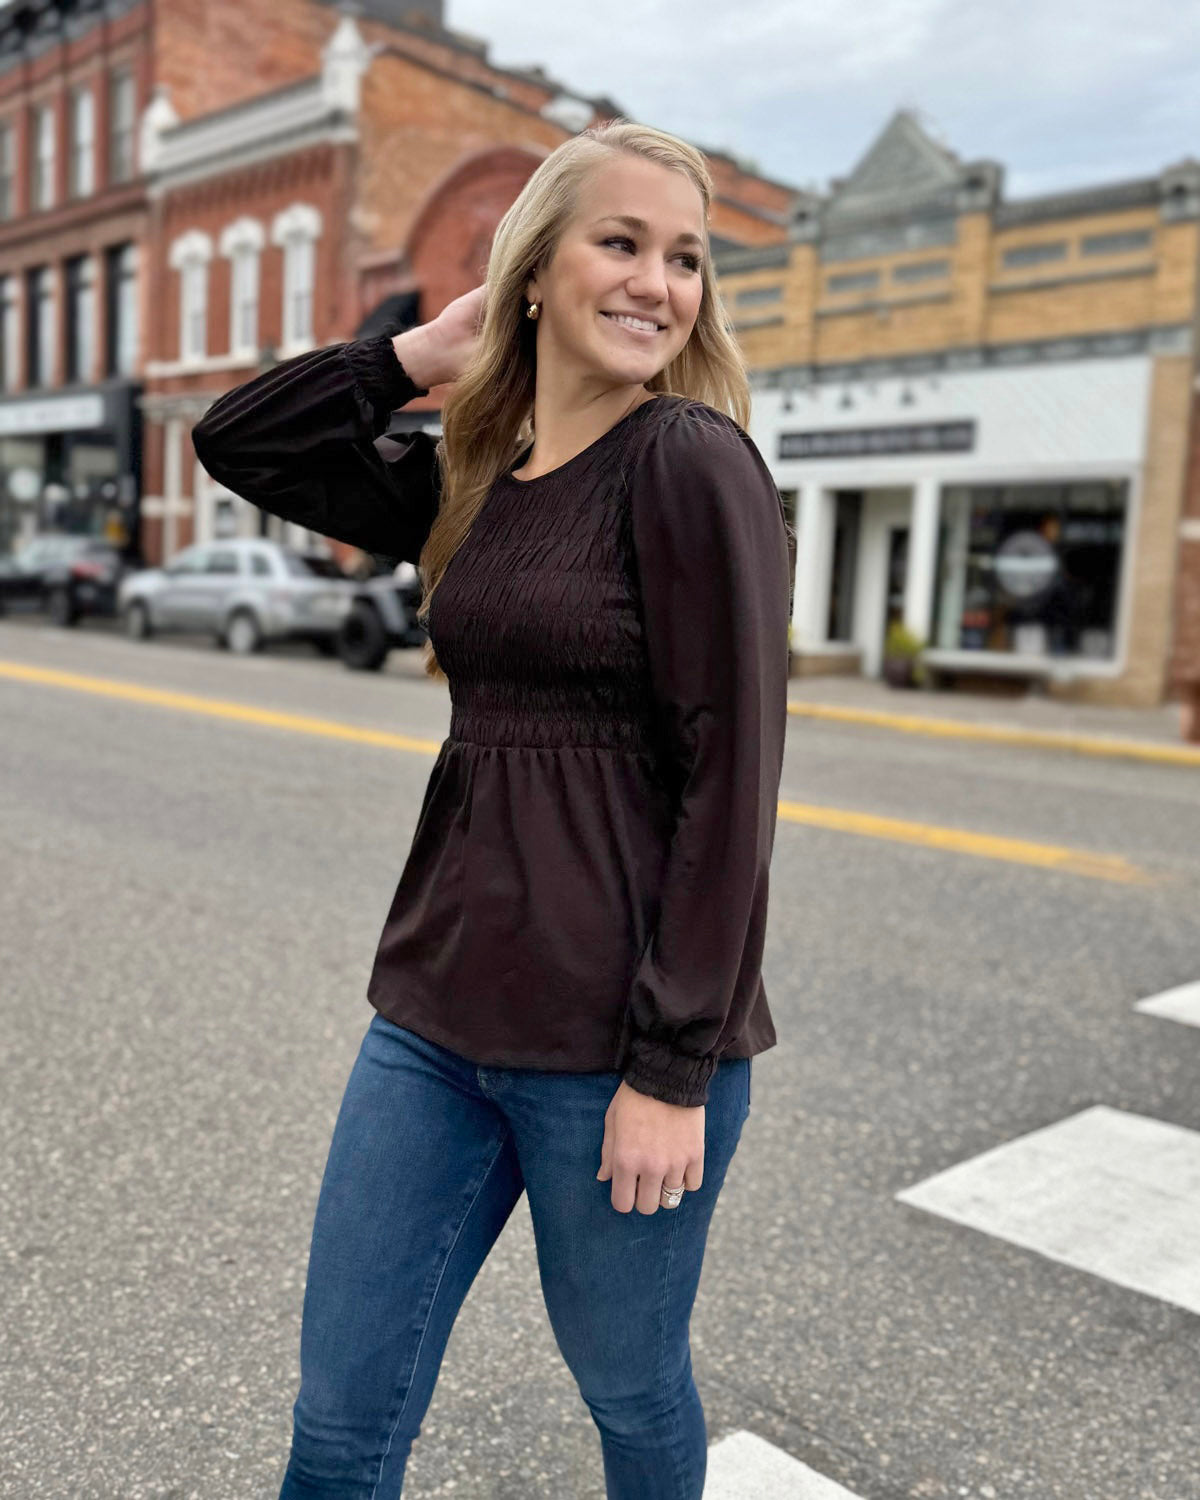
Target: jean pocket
(749, 1075)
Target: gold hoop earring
(532, 311)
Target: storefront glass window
(1031, 569)
(22, 466)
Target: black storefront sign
(870, 442)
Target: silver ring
(671, 1197)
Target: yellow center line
(988, 846)
(960, 841)
(216, 708)
(1041, 739)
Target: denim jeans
(429, 1156)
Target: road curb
(1039, 739)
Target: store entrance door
(897, 577)
(843, 576)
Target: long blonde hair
(486, 418)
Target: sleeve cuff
(657, 1070)
(380, 380)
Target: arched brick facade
(452, 233)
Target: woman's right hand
(438, 352)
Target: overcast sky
(1064, 93)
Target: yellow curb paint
(985, 845)
(1042, 739)
(1097, 866)
(216, 708)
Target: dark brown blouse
(586, 888)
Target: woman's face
(605, 265)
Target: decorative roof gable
(904, 169)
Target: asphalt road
(191, 904)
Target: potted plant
(902, 649)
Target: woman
(568, 986)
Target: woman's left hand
(648, 1142)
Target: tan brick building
(979, 409)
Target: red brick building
(375, 179)
(188, 192)
(73, 226)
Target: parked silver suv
(245, 592)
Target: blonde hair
(486, 418)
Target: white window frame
(84, 328)
(45, 308)
(127, 326)
(8, 169)
(43, 137)
(242, 244)
(193, 309)
(10, 328)
(299, 266)
(296, 230)
(122, 137)
(83, 142)
(190, 255)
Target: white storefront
(991, 510)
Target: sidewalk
(1150, 734)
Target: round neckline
(583, 452)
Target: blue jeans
(429, 1156)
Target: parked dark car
(70, 576)
(382, 617)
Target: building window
(120, 129)
(193, 309)
(81, 317)
(755, 296)
(190, 256)
(242, 243)
(9, 333)
(121, 345)
(41, 331)
(852, 281)
(1031, 569)
(921, 270)
(7, 171)
(1116, 244)
(297, 230)
(244, 310)
(42, 164)
(298, 265)
(1035, 255)
(83, 143)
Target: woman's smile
(644, 328)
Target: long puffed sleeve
(710, 541)
(299, 441)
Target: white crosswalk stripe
(1106, 1191)
(745, 1467)
(1179, 1004)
